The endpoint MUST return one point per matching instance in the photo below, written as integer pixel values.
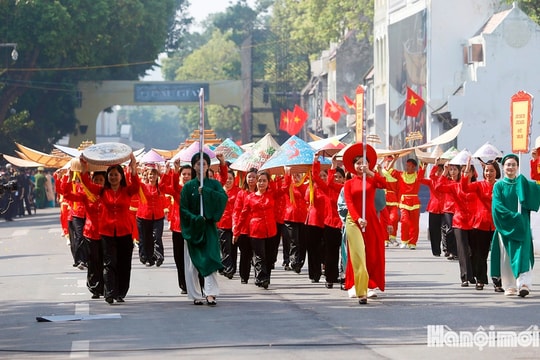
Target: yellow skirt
(357, 256)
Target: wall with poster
(407, 67)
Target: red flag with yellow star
(298, 119)
(413, 104)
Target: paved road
(294, 319)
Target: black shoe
(465, 284)
(362, 301)
(265, 284)
(95, 296)
(479, 286)
(287, 268)
(211, 302)
(329, 285)
(109, 299)
(159, 262)
(120, 299)
(183, 292)
(498, 289)
(244, 281)
(149, 263)
(314, 281)
(197, 302)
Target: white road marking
(80, 349)
(20, 232)
(82, 309)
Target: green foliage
(62, 42)
(217, 60)
(530, 7)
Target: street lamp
(14, 53)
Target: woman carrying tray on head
(115, 227)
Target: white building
(465, 58)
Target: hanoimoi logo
(442, 335)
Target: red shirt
(226, 221)
(464, 203)
(154, 204)
(257, 215)
(238, 227)
(436, 198)
(332, 190)
(91, 225)
(296, 207)
(409, 186)
(114, 219)
(175, 189)
(483, 219)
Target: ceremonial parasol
(151, 157)
(257, 155)
(230, 150)
(295, 153)
(186, 154)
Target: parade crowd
(22, 192)
(336, 221)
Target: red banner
(520, 121)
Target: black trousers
(480, 244)
(79, 247)
(273, 246)
(314, 241)
(151, 240)
(246, 255)
(261, 249)
(332, 247)
(463, 239)
(117, 255)
(94, 278)
(448, 238)
(178, 254)
(285, 244)
(229, 251)
(295, 234)
(435, 232)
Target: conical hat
(487, 152)
(450, 153)
(461, 158)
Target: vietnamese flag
(284, 121)
(413, 104)
(333, 110)
(297, 121)
(350, 102)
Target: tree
(62, 42)
(217, 60)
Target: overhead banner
(520, 121)
(360, 92)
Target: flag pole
(201, 145)
(364, 157)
